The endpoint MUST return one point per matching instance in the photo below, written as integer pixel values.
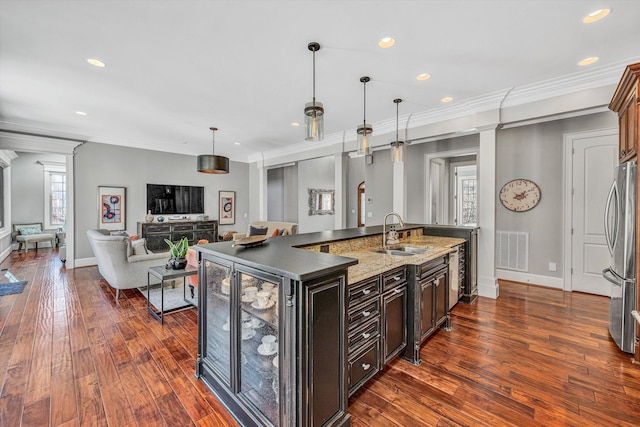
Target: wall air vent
(512, 250)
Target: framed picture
(227, 207)
(112, 208)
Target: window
(55, 194)
(466, 195)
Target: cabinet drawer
(205, 226)
(363, 290)
(363, 366)
(157, 229)
(393, 278)
(183, 227)
(428, 267)
(176, 236)
(363, 334)
(364, 312)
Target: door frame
(567, 251)
(427, 174)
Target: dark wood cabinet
(302, 380)
(156, 232)
(394, 315)
(468, 257)
(625, 103)
(428, 303)
(376, 324)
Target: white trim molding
(533, 279)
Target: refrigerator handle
(606, 273)
(607, 232)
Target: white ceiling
(176, 68)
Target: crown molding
(570, 83)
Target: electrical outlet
(553, 266)
(369, 214)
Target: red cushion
(275, 233)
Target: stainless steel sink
(410, 249)
(393, 252)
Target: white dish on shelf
(250, 333)
(275, 361)
(247, 298)
(226, 327)
(264, 352)
(256, 323)
(257, 307)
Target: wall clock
(520, 195)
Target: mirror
(321, 201)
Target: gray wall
(315, 173)
(275, 194)
(536, 152)
(355, 175)
(111, 165)
(27, 186)
(290, 177)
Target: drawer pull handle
(396, 278)
(397, 290)
(366, 335)
(436, 282)
(366, 366)
(366, 291)
(366, 313)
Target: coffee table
(165, 275)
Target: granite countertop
(284, 255)
(371, 263)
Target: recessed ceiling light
(423, 76)
(236, 143)
(446, 99)
(81, 113)
(386, 42)
(588, 61)
(96, 63)
(295, 124)
(596, 15)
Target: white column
(487, 281)
(262, 189)
(399, 189)
(69, 226)
(340, 182)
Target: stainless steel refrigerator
(620, 234)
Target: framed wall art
(227, 207)
(112, 208)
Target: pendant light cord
(213, 140)
(364, 109)
(314, 77)
(397, 109)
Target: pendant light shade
(364, 130)
(397, 147)
(210, 163)
(314, 111)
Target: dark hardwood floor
(71, 355)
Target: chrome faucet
(384, 227)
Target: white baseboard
(85, 262)
(488, 287)
(534, 279)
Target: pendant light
(364, 130)
(314, 111)
(397, 147)
(210, 163)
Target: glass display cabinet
(271, 347)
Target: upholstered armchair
(119, 264)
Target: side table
(164, 275)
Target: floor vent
(512, 250)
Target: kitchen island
(335, 309)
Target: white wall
(275, 194)
(132, 168)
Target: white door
(595, 156)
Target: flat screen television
(174, 199)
